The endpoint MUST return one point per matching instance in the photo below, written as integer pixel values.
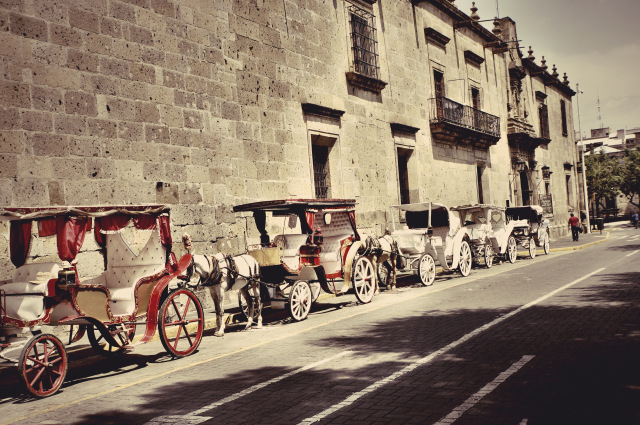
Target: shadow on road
(586, 370)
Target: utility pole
(584, 166)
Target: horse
(385, 252)
(220, 273)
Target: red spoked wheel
(181, 322)
(43, 365)
(123, 333)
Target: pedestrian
(574, 224)
(634, 219)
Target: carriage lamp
(66, 275)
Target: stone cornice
(436, 37)
(540, 95)
(402, 128)
(549, 80)
(461, 20)
(364, 82)
(323, 111)
(473, 58)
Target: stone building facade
(208, 104)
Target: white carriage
(490, 234)
(431, 234)
(530, 229)
(317, 247)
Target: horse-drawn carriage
(132, 290)
(530, 230)
(490, 234)
(317, 246)
(431, 233)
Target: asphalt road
(553, 340)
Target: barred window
(364, 43)
(321, 179)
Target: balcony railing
(443, 110)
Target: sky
(596, 42)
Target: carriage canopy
(532, 213)
(305, 209)
(70, 225)
(417, 215)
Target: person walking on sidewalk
(634, 219)
(574, 224)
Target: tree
(630, 185)
(604, 177)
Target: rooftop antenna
(497, 10)
(599, 114)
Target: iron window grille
(364, 42)
(321, 179)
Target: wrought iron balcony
(453, 121)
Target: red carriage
(132, 290)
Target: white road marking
(487, 389)
(193, 418)
(632, 253)
(427, 359)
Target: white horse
(222, 273)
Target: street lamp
(584, 166)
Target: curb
(579, 247)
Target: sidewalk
(585, 240)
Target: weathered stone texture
(198, 104)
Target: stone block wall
(197, 104)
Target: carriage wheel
(532, 248)
(315, 290)
(123, 334)
(181, 323)
(43, 365)
(363, 280)
(465, 259)
(244, 307)
(300, 299)
(383, 273)
(488, 255)
(545, 244)
(512, 250)
(427, 270)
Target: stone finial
(531, 57)
(555, 71)
(474, 12)
(565, 79)
(496, 28)
(543, 64)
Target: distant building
(603, 141)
